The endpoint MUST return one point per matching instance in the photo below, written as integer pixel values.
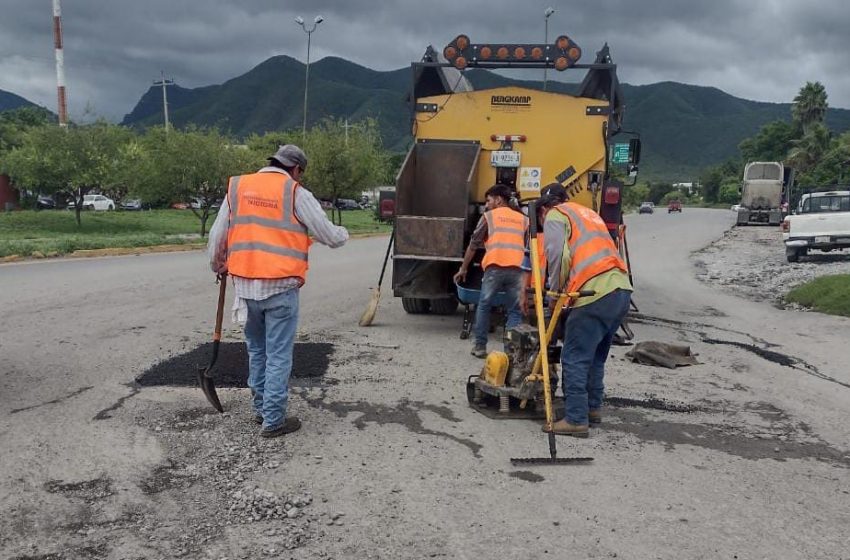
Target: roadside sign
(620, 153)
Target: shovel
(369, 315)
(205, 380)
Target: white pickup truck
(821, 222)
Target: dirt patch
(309, 360)
(650, 403)
(405, 413)
(165, 477)
(89, 491)
(527, 476)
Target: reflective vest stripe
(491, 230)
(595, 258)
(510, 246)
(266, 222)
(266, 248)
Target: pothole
(309, 360)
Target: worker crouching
(260, 239)
(581, 255)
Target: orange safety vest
(591, 247)
(505, 245)
(541, 252)
(265, 238)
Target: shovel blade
(208, 387)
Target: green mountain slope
(684, 127)
(9, 101)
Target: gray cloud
(757, 50)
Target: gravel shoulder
(750, 261)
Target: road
(753, 460)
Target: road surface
(751, 460)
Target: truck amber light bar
(562, 54)
(507, 137)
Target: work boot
(291, 424)
(258, 419)
(564, 428)
(479, 352)
(594, 416)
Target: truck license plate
(504, 158)
(822, 239)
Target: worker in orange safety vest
(581, 255)
(260, 238)
(501, 231)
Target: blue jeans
(270, 336)
(587, 339)
(495, 280)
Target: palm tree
(809, 106)
(807, 151)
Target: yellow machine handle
(543, 354)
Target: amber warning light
(463, 53)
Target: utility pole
(549, 11)
(300, 21)
(60, 63)
(346, 126)
(164, 83)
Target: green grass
(362, 221)
(55, 232)
(827, 294)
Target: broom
(369, 315)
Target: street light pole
(549, 11)
(300, 21)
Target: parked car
(94, 202)
(822, 222)
(134, 204)
(674, 206)
(198, 202)
(646, 208)
(45, 202)
(347, 204)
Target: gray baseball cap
(290, 155)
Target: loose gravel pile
(750, 261)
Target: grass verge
(50, 233)
(827, 294)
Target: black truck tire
(793, 255)
(415, 306)
(444, 306)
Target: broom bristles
(369, 315)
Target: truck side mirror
(634, 151)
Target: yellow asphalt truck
(467, 140)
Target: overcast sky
(761, 49)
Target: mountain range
(684, 128)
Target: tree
(807, 151)
(343, 165)
(189, 166)
(77, 159)
(809, 107)
(771, 143)
(711, 180)
(14, 123)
